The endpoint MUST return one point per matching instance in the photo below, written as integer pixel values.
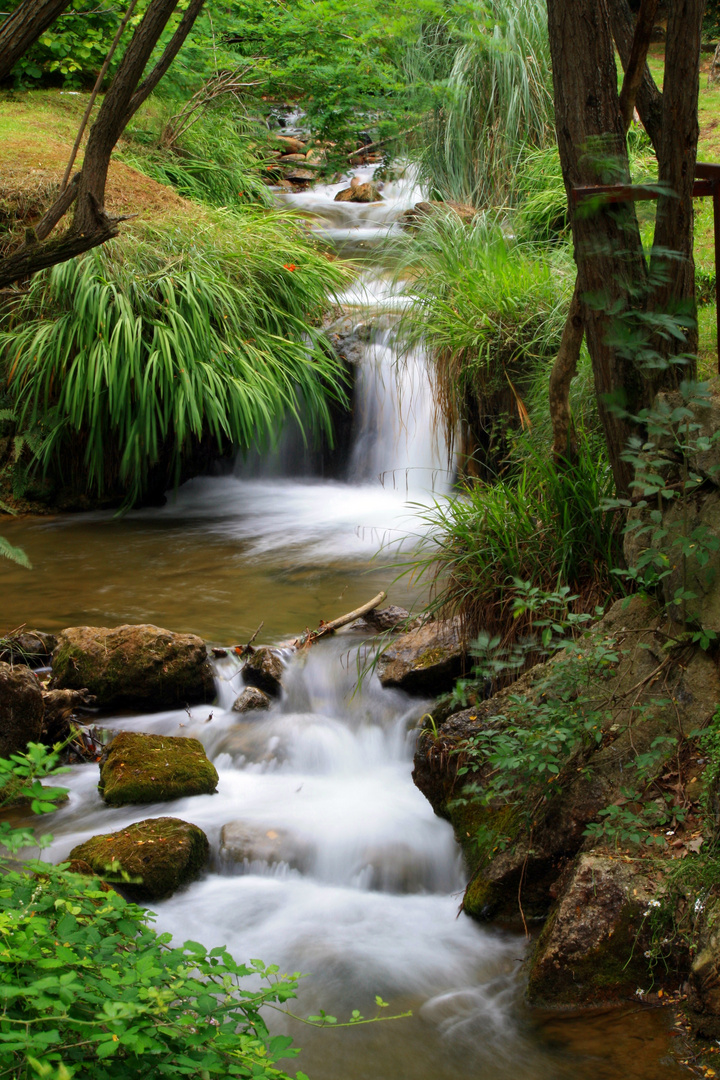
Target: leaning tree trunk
(608, 250)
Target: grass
(496, 104)
(176, 340)
(537, 524)
(489, 311)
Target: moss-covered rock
(140, 768)
(426, 660)
(592, 947)
(161, 854)
(21, 709)
(141, 666)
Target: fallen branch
(311, 636)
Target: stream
(367, 902)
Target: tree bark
(22, 29)
(36, 256)
(672, 261)
(608, 250)
(562, 374)
(636, 64)
(649, 98)
(114, 112)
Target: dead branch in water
(311, 636)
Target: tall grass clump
(496, 103)
(538, 524)
(171, 347)
(216, 161)
(491, 313)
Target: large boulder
(427, 660)
(160, 854)
(21, 709)
(138, 666)
(264, 670)
(140, 768)
(647, 702)
(592, 946)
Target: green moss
(159, 855)
(432, 656)
(139, 768)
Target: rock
(163, 853)
(427, 660)
(701, 512)
(591, 948)
(387, 618)
(360, 193)
(291, 158)
(297, 174)
(315, 157)
(140, 768)
(645, 717)
(21, 709)
(60, 708)
(141, 666)
(250, 699)
(31, 647)
(289, 145)
(703, 1004)
(243, 843)
(264, 670)
(421, 211)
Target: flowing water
(367, 899)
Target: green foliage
(530, 744)
(134, 355)
(538, 524)
(73, 48)
(216, 160)
(496, 103)
(14, 554)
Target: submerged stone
(140, 768)
(142, 666)
(243, 843)
(251, 699)
(161, 854)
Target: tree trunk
(608, 250)
(125, 97)
(649, 98)
(562, 374)
(22, 29)
(672, 260)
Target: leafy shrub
(89, 988)
(176, 342)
